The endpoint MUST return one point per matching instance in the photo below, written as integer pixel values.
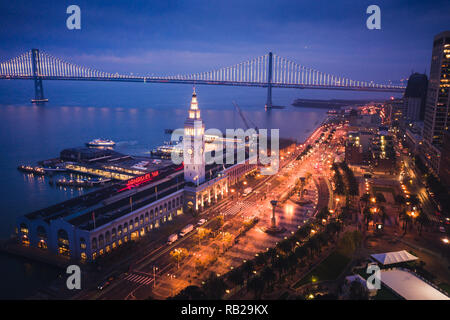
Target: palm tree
(260, 258)
(256, 284)
(400, 200)
(314, 245)
(358, 291)
(215, 287)
(406, 219)
(272, 254)
(345, 213)
(236, 276)
(303, 232)
(365, 199)
(383, 214)
(301, 252)
(413, 200)
(248, 268)
(367, 216)
(285, 246)
(268, 275)
(422, 219)
(323, 238)
(292, 262)
(333, 228)
(190, 293)
(323, 213)
(280, 265)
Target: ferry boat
(167, 148)
(101, 143)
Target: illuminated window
(134, 236)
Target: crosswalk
(138, 278)
(239, 206)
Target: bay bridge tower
(35, 68)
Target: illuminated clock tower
(194, 145)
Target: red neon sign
(132, 183)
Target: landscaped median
(335, 263)
(329, 269)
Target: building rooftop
(106, 201)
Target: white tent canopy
(409, 286)
(394, 257)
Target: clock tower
(194, 145)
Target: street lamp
(154, 275)
(172, 277)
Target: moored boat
(101, 143)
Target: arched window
(101, 241)
(94, 243)
(136, 222)
(108, 237)
(82, 244)
(170, 205)
(41, 232)
(63, 242)
(125, 227)
(119, 231)
(131, 224)
(141, 219)
(42, 237)
(113, 234)
(23, 228)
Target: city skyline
(324, 192)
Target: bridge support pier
(38, 88)
(269, 83)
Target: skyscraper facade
(415, 97)
(437, 106)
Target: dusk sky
(166, 37)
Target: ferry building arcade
(83, 229)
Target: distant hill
(331, 104)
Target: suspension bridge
(269, 71)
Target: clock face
(189, 151)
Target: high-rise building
(437, 106)
(415, 97)
(444, 172)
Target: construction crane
(241, 114)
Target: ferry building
(94, 224)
